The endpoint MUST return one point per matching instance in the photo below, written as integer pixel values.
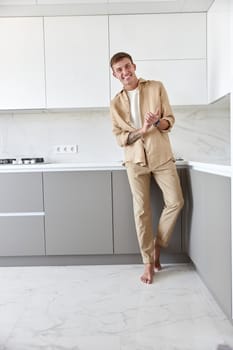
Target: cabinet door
(125, 238)
(209, 244)
(22, 235)
(77, 67)
(218, 49)
(21, 214)
(166, 47)
(22, 83)
(159, 36)
(78, 214)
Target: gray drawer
(22, 236)
(21, 192)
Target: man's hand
(153, 118)
(150, 119)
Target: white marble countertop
(45, 167)
(224, 170)
(217, 169)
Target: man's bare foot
(157, 265)
(148, 274)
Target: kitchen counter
(45, 167)
(217, 169)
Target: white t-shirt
(135, 108)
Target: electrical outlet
(65, 149)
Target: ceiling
(114, 6)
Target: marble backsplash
(201, 133)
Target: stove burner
(32, 160)
(7, 161)
(21, 161)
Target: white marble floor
(108, 308)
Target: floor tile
(107, 307)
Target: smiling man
(141, 118)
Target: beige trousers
(168, 180)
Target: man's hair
(119, 56)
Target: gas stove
(14, 161)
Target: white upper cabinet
(183, 79)
(22, 83)
(159, 36)
(218, 24)
(76, 56)
(166, 47)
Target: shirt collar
(140, 82)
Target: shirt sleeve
(120, 133)
(166, 110)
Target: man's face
(124, 70)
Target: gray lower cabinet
(21, 214)
(209, 241)
(78, 212)
(125, 239)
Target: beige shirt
(155, 147)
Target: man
(142, 117)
